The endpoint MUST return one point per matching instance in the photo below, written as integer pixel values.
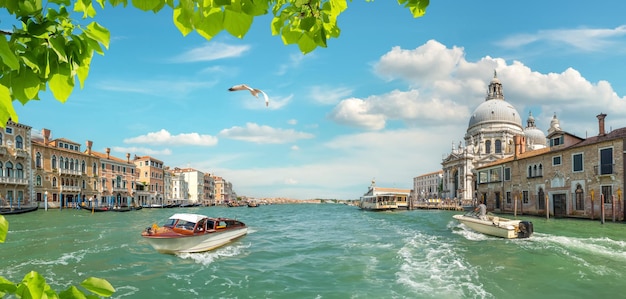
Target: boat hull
(498, 227)
(194, 243)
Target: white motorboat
(184, 232)
(497, 226)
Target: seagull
(255, 92)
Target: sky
(385, 101)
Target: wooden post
(547, 208)
(592, 209)
(613, 207)
(515, 206)
(602, 208)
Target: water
(321, 251)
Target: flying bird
(254, 91)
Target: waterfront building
(573, 177)
(209, 190)
(168, 183)
(15, 165)
(151, 180)
(194, 180)
(384, 198)
(489, 137)
(427, 186)
(63, 175)
(118, 178)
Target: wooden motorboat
(496, 226)
(185, 232)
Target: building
(573, 177)
(194, 181)
(64, 176)
(151, 180)
(209, 190)
(427, 186)
(489, 137)
(16, 166)
(118, 178)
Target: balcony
(21, 154)
(604, 169)
(70, 189)
(14, 181)
(70, 172)
(119, 189)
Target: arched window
(38, 180)
(38, 160)
(1, 170)
(94, 168)
(19, 142)
(580, 197)
(487, 146)
(19, 171)
(54, 182)
(541, 200)
(53, 162)
(535, 171)
(66, 163)
(9, 169)
(84, 186)
(71, 165)
(498, 146)
(540, 172)
(83, 167)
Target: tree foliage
(48, 49)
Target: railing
(20, 153)
(70, 189)
(604, 169)
(70, 172)
(16, 181)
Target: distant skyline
(385, 101)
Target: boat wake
(207, 258)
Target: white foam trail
(206, 258)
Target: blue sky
(385, 101)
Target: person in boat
(481, 210)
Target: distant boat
(184, 232)
(20, 210)
(497, 226)
(252, 204)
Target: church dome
(495, 111)
(534, 137)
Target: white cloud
(583, 39)
(163, 137)
(255, 133)
(295, 148)
(292, 122)
(141, 151)
(164, 88)
(328, 95)
(211, 51)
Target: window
(0, 139)
(8, 130)
(38, 181)
(19, 171)
(482, 177)
(508, 197)
(1, 170)
(577, 162)
(541, 199)
(606, 161)
(38, 160)
(494, 175)
(507, 174)
(498, 146)
(19, 142)
(530, 171)
(525, 197)
(54, 182)
(94, 168)
(607, 191)
(53, 162)
(556, 160)
(9, 169)
(83, 167)
(580, 198)
(487, 146)
(556, 141)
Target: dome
(534, 136)
(495, 111)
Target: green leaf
(147, 5)
(211, 24)
(8, 57)
(99, 33)
(98, 286)
(182, 21)
(306, 44)
(72, 292)
(6, 286)
(4, 224)
(25, 85)
(32, 286)
(61, 84)
(58, 44)
(236, 23)
(6, 112)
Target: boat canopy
(188, 217)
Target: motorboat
(188, 233)
(496, 226)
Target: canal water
(321, 251)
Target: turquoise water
(321, 251)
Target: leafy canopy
(48, 49)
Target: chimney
(108, 152)
(128, 157)
(89, 143)
(46, 136)
(601, 117)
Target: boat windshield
(169, 223)
(185, 224)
